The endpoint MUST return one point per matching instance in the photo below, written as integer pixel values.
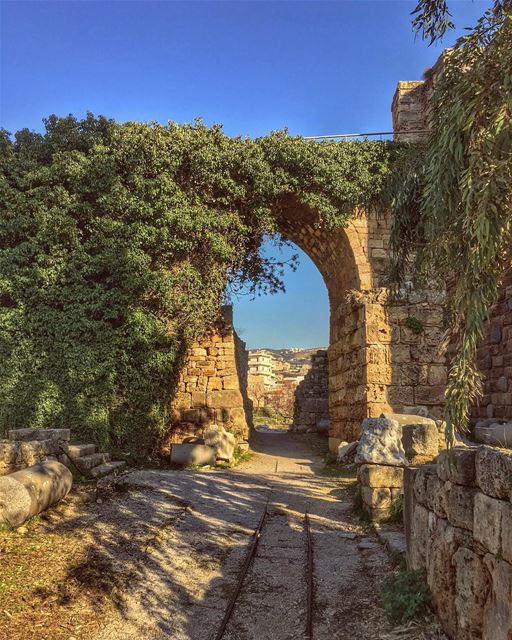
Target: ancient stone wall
(458, 519)
(26, 447)
(213, 384)
(311, 406)
(495, 360)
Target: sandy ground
(174, 541)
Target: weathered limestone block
(377, 502)
(440, 575)
(457, 465)
(459, 505)
(421, 483)
(221, 441)
(497, 622)
(375, 476)
(472, 588)
(381, 443)
(493, 471)
(489, 514)
(26, 493)
(437, 495)
(192, 454)
(34, 451)
(420, 440)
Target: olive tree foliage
(452, 196)
(117, 245)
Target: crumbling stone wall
(311, 405)
(458, 520)
(26, 447)
(213, 384)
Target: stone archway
(382, 353)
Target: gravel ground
(173, 543)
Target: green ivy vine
(117, 244)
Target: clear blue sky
(314, 67)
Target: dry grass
(50, 588)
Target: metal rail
(247, 563)
(309, 578)
(365, 135)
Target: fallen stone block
(192, 454)
(221, 441)
(381, 443)
(31, 491)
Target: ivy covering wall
(117, 243)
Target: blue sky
(314, 67)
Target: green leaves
(117, 243)
(465, 190)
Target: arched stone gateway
(383, 354)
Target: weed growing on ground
(396, 512)
(405, 596)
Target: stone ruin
(212, 388)
(27, 447)
(311, 407)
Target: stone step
(76, 451)
(86, 463)
(106, 468)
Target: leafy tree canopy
(117, 242)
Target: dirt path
(173, 542)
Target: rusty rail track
(251, 552)
(309, 577)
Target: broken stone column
(31, 491)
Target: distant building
(261, 365)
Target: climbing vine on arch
(117, 242)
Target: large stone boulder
(221, 441)
(381, 443)
(26, 493)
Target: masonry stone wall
(495, 359)
(311, 406)
(458, 521)
(26, 447)
(213, 384)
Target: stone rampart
(458, 521)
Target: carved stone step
(86, 463)
(76, 451)
(106, 468)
